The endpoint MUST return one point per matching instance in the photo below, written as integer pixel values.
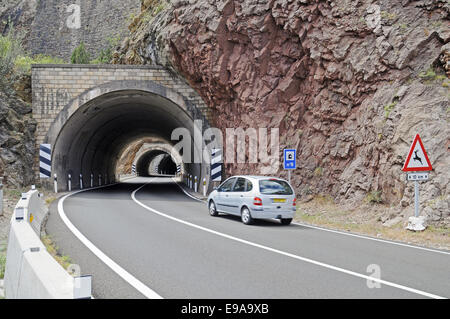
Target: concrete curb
(31, 272)
(191, 193)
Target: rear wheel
(286, 221)
(246, 217)
(212, 209)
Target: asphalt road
(168, 243)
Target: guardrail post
(1, 196)
(81, 181)
(70, 183)
(55, 183)
(82, 287)
(195, 184)
(204, 186)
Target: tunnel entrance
(92, 139)
(156, 163)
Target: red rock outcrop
(348, 83)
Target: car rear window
(274, 187)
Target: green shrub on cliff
(23, 63)
(10, 49)
(105, 55)
(15, 62)
(80, 55)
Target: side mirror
(215, 188)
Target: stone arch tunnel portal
(90, 142)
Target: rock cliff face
(16, 141)
(51, 27)
(349, 83)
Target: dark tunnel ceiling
(94, 136)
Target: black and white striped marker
(216, 165)
(45, 161)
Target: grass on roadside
(3, 246)
(50, 200)
(2, 259)
(324, 213)
(2, 265)
(52, 249)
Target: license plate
(279, 200)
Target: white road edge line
(374, 239)
(311, 261)
(133, 281)
(342, 232)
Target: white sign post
(418, 163)
(289, 161)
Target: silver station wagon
(254, 197)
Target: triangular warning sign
(417, 159)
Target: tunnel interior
(154, 163)
(92, 139)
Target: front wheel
(286, 221)
(246, 217)
(212, 209)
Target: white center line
(311, 261)
(342, 232)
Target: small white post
(55, 183)
(81, 181)
(196, 184)
(70, 183)
(416, 198)
(99, 179)
(92, 180)
(204, 186)
(82, 288)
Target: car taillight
(294, 203)
(257, 201)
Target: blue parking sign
(290, 156)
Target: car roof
(257, 177)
